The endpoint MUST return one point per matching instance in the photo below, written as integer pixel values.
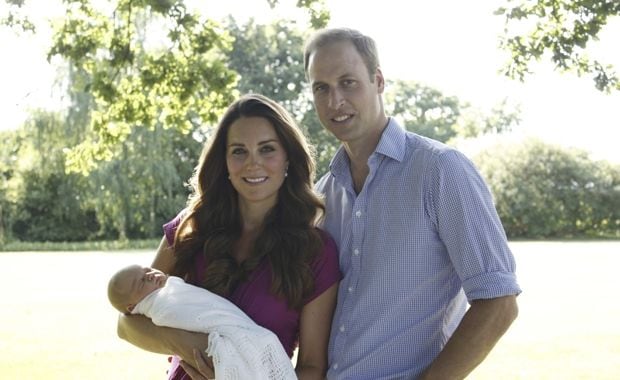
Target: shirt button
(342, 328)
(350, 289)
(356, 251)
(358, 213)
(335, 366)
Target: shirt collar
(393, 141)
(392, 144)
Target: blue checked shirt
(420, 240)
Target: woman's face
(256, 161)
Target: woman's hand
(202, 371)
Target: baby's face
(142, 281)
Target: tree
(542, 190)
(48, 204)
(562, 28)
(268, 59)
(182, 83)
(423, 110)
(143, 187)
(16, 19)
(9, 150)
(428, 112)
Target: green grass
(56, 322)
(109, 245)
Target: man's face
(347, 102)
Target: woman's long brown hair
(212, 222)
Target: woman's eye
(267, 149)
(237, 151)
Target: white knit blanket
(240, 348)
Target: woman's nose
(254, 160)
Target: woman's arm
(164, 258)
(141, 332)
(315, 326)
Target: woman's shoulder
(329, 244)
(328, 255)
(325, 267)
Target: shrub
(542, 190)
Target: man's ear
(380, 80)
(130, 308)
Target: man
(417, 230)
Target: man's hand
(203, 369)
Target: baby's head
(131, 284)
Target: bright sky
(447, 44)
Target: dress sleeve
(325, 267)
(170, 228)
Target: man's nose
(336, 100)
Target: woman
(249, 234)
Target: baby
(240, 348)
(132, 284)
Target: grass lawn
(55, 321)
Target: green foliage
(472, 122)
(317, 9)
(268, 59)
(428, 112)
(8, 164)
(561, 28)
(51, 209)
(544, 191)
(181, 83)
(136, 192)
(16, 19)
(43, 202)
(423, 110)
(319, 14)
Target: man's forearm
(482, 326)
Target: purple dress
(254, 298)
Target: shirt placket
(354, 249)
